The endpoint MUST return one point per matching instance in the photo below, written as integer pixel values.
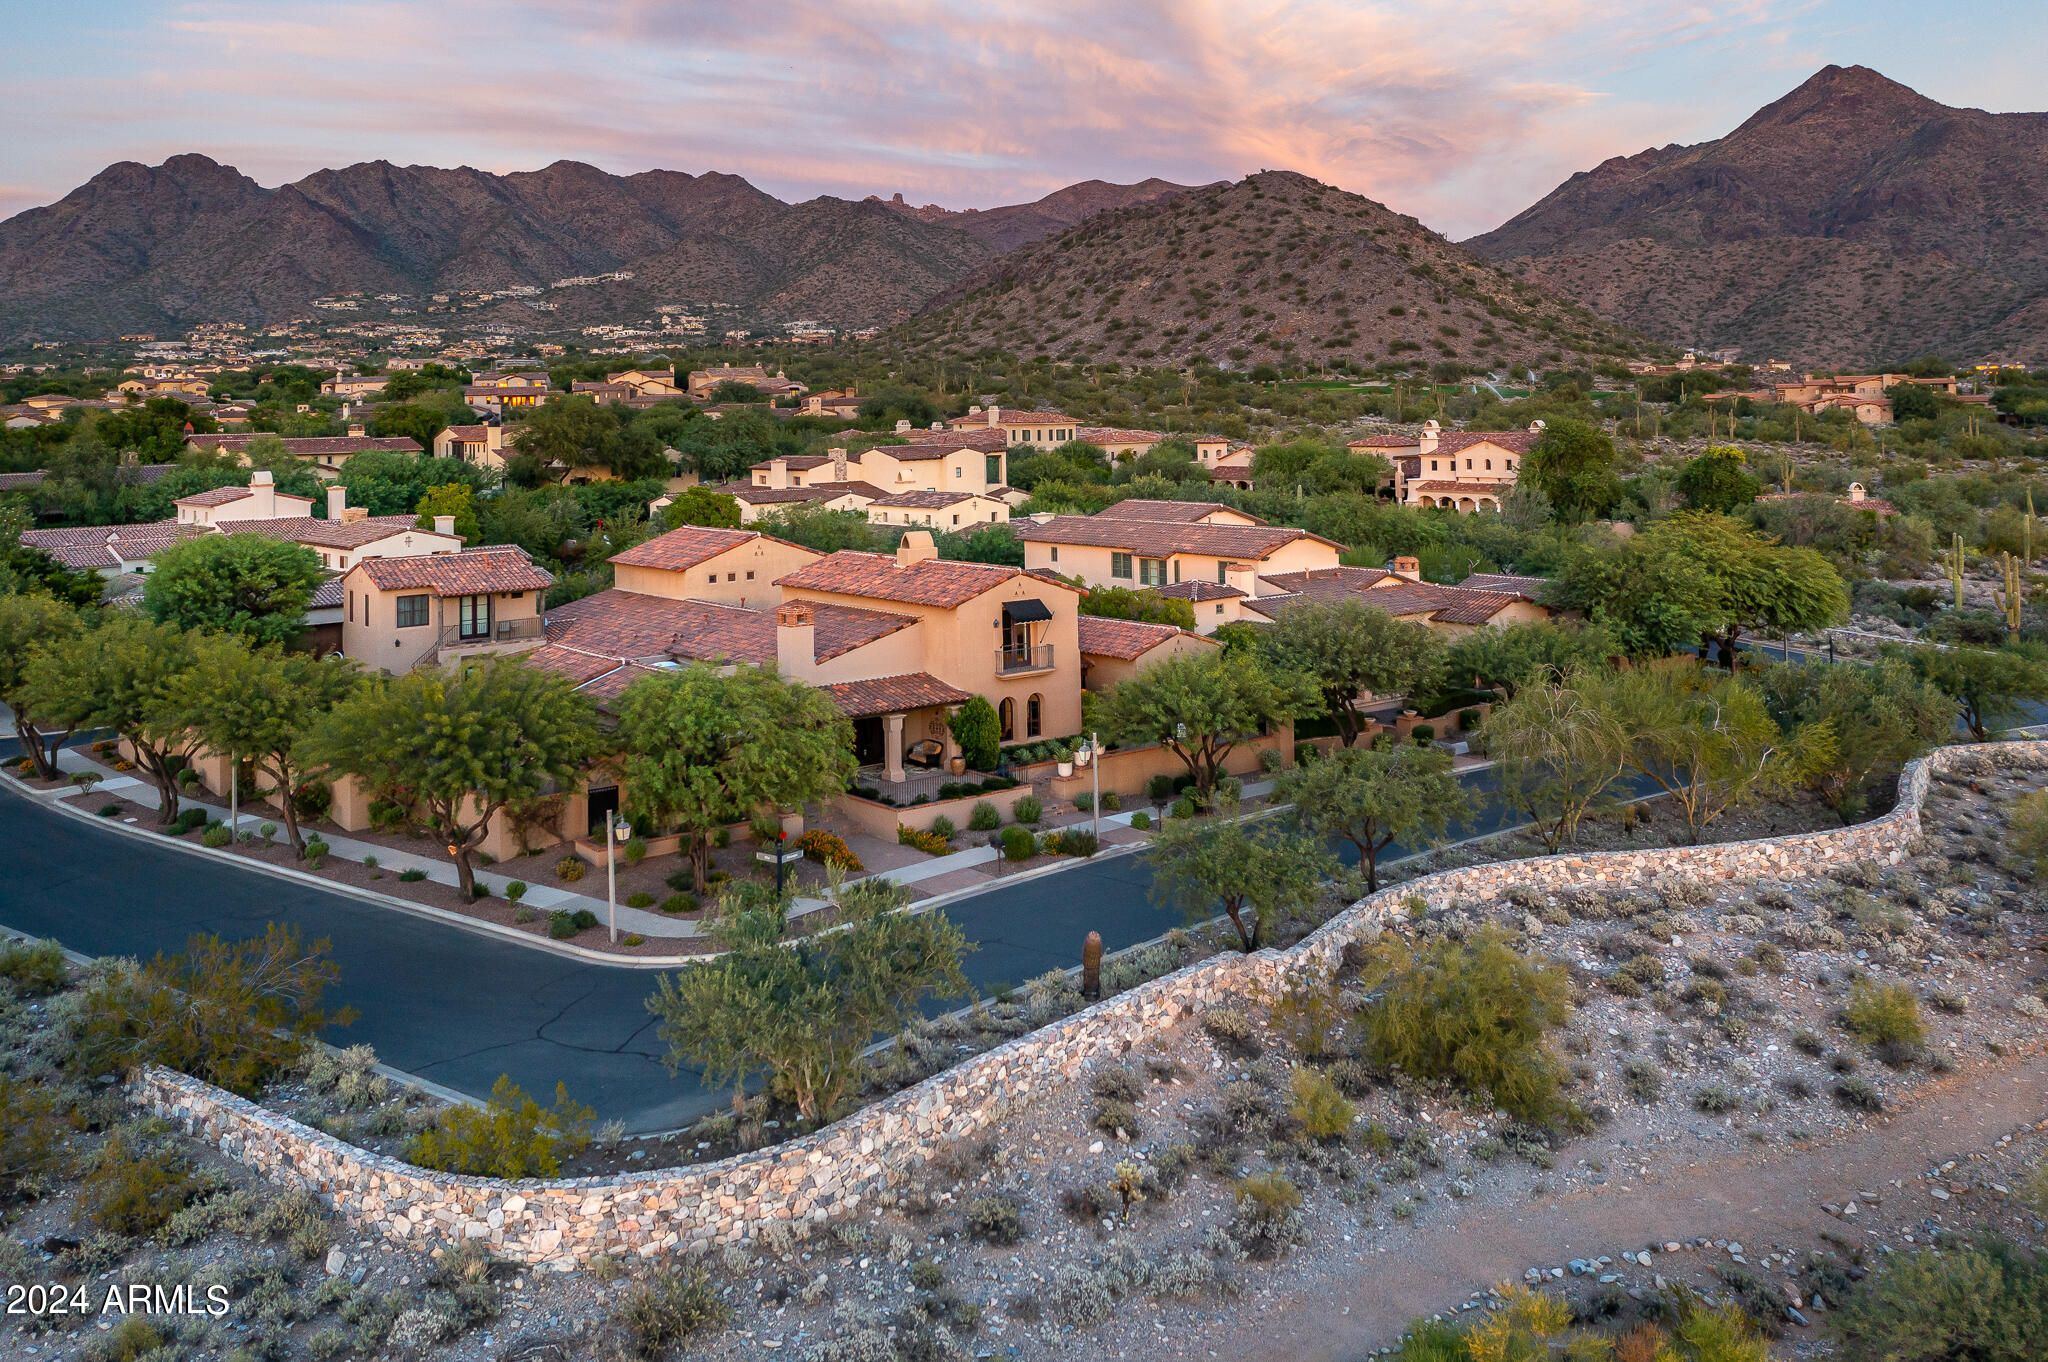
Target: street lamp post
(781, 836)
(615, 832)
(1095, 765)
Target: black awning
(1026, 612)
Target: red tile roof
(926, 501)
(1331, 583)
(1504, 581)
(1181, 512)
(501, 567)
(934, 581)
(316, 447)
(985, 440)
(686, 546)
(1199, 591)
(1113, 435)
(1125, 639)
(1385, 442)
(893, 694)
(629, 624)
(1157, 539)
(817, 491)
(103, 546)
(1495, 490)
(1514, 441)
(331, 534)
(219, 496)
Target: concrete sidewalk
(542, 898)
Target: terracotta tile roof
(1126, 639)
(468, 434)
(817, 491)
(1385, 442)
(218, 496)
(1013, 417)
(1157, 539)
(985, 440)
(88, 546)
(329, 594)
(1331, 583)
(934, 581)
(500, 567)
(1400, 598)
(1113, 435)
(1412, 598)
(1504, 581)
(578, 666)
(1462, 489)
(329, 534)
(1199, 591)
(925, 501)
(315, 447)
(627, 624)
(1179, 512)
(685, 547)
(893, 694)
(1514, 441)
(1473, 607)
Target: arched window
(1034, 709)
(1007, 714)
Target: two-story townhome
(842, 403)
(1483, 600)
(955, 511)
(1112, 650)
(1461, 470)
(699, 562)
(401, 613)
(1034, 429)
(482, 444)
(260, 500)
(1118, 443)
(355, 385)
(702, 383)
(497, 392)
(1126, 550)
(350, 534)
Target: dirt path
(1342, 1314)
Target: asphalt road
(461, 1009)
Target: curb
(370, 896)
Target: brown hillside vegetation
(1273, 267)
(1853, 221)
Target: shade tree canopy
(1200, 706)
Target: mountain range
(1851, 222)
(158, 248)
(1272, 265)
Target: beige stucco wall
(1104, 672)
(1091, 563)
(962, 516)
(373, 638)
(752, 568)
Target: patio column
(892, 748)
(952, 744)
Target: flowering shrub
(929, 842)
(829, 849)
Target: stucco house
(401, 613)
(1127, 550)
(1112, 650)
(327, 453)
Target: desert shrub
(1768, 957)
(983, 817)
(32, 1137)
(1028, 809)
(216, 836)
(1234, 1029)
(316, 852)
(1807, 1043)
(1268, 1220)
(1140, 821)
(109, 810)
(1715, 1099)
(1110, 1117)
(562, 925)
(1018, 844)
(1308, 1016)
(995, 1219)
(1859, 1094)
(636, 850)
(1085, 801)
(1470, 1012)
(1184, 807)
(1884, 1014)
(234, 1015)
(927, 1275)
(570, 869)
(1314, 1101)
(415, 876)
(584, 919)
(1642, 1080)
(942, 826)
(1070, 842)
(829, 849)
(515, 890)
(666, 1311)
(640, 899)
(512, 1137)
(35, 968)
(1117, 1084)
(1985, 1302)
(134, 1189)
(679, 903)
(929, 842)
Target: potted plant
(1065, 758)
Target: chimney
(974, 410)
(796, 636)
(352, 514)
(778, 472)
(1410, 568)
(1245, 577)
(337, 502)
(916, 546)
(264, 488)
(355, 430)
(838, 457)
(1536, 427)
(444, 524)
(902, 426)
(995, 413)
(1856, 491)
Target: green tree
(1990, 687)
(27, 624)
(1559, 751)
(1763, 587)
(1347, 649)
(1707, 741)
(1715, 481)
(1572, 463)
(126, 675)
(463, 744)
(457, 499)
(572, 433)
(259, 704)
(1882, 716)
(417, 420)
(1257, 868)
(703, 750)
(802, 1011)
(702, 506)
(1373, 797)
(1124, 603)
(1912, 401)
(1200, 706)
(1983, 1302)
(979, 732)
(1525, 655)
(247, 584)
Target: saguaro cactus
(1091, 967)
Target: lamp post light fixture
(615, 832)
(1095, 765)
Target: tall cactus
(2013, 598)
(1953, 561)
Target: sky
(1460, 112)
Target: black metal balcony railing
(500, 632)
(1032, 659)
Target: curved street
(461, 1008)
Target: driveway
(460, 1008)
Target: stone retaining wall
(833, 1172)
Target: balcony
(501, 631)
(1011, 661)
